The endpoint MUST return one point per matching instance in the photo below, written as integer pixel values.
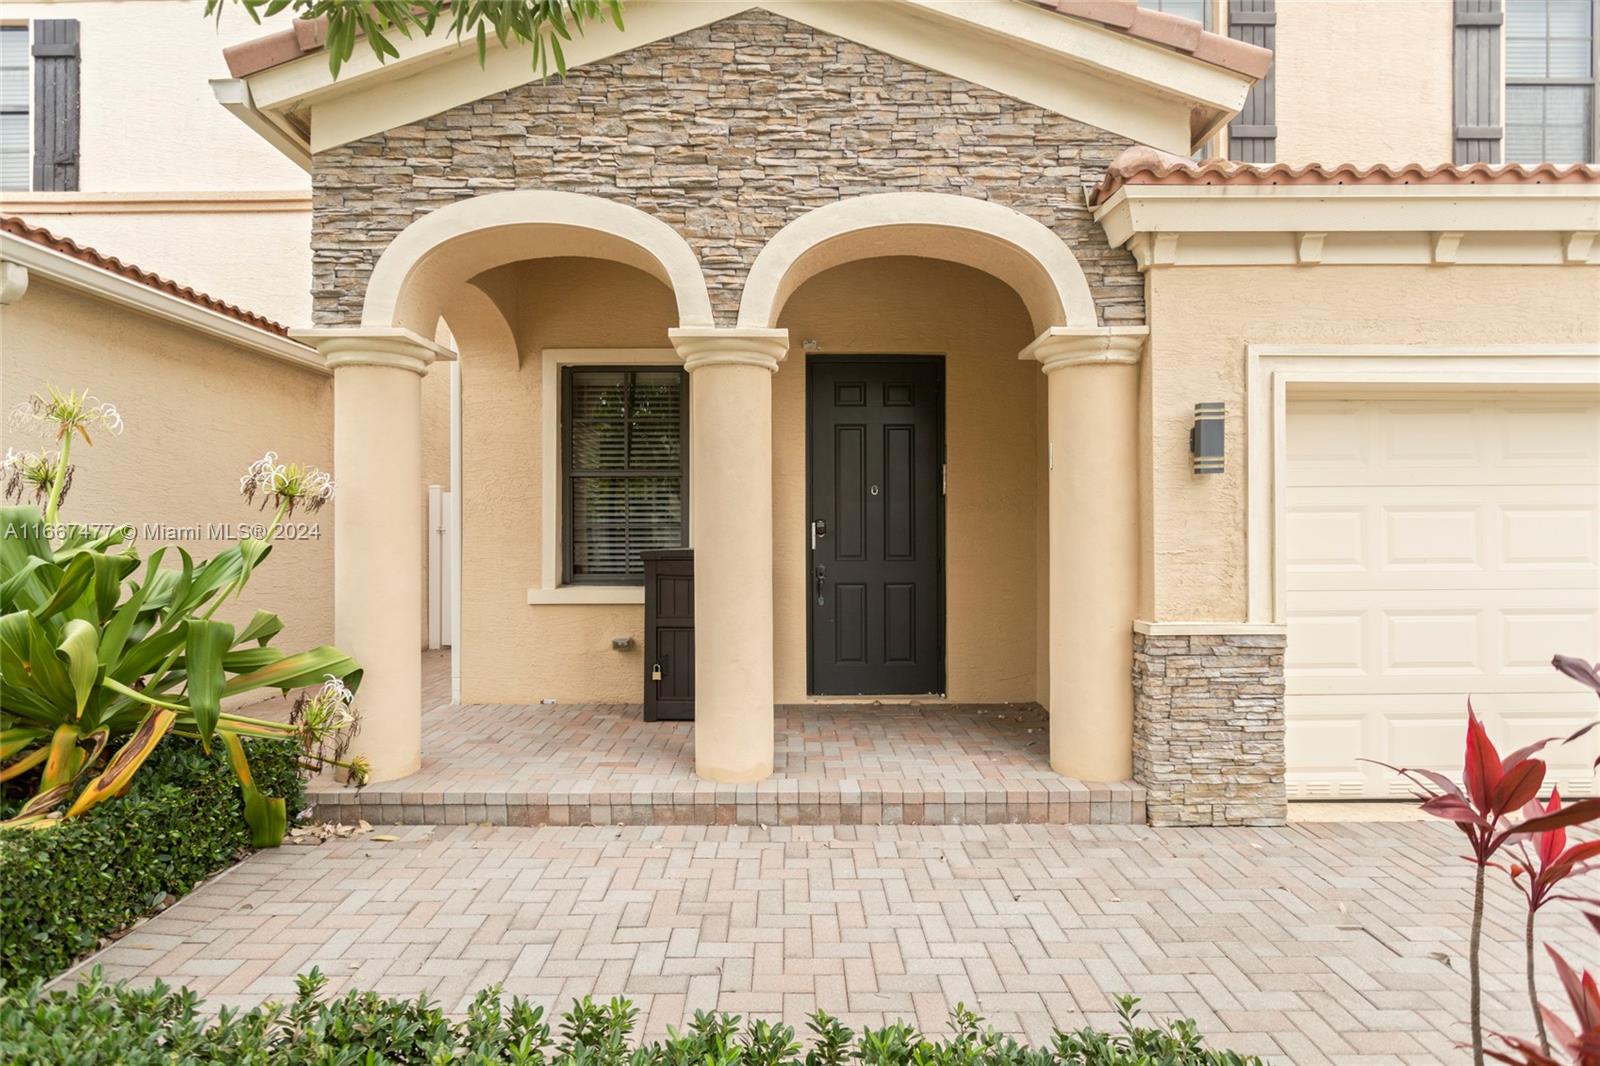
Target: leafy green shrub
(99, 1023)
(65, 887)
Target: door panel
(876, 596)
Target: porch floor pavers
(834, 764)
(1311, 943)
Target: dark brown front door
(875, 440)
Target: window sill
(587, 594)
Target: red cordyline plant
(1544, 866)
(1579, 1042)
(1497, 791)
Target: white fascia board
(1107, 52)
(234, 95)
(1054, 62)
(1134, 209)
(86, 277)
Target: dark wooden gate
(669, 635)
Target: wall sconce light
(1205, 439)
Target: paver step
(775, 801)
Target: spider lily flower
(22, 473)
(286, 485)
(67, 412)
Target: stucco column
(377, 542)
(1093, 395)
(730, 528)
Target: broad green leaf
(297, 671)
(245, 660)
(263, 627)
(79, 574)
(206, 644)
(80, 651)
(117, 631)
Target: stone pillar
(1208, 722)
(1093, 392)
(730, 529)
(377, 540)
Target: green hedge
(100, 1023)
(63, 888)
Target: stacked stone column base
(1208, 726)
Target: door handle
(819, 529)
(820, 573)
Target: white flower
(286, 483)
(68, 412)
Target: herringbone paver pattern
(1312, 943)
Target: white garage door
(1437, 548)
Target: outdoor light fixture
(1205, 439)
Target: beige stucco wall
(151, 124)
(511, 651)
(1363, 81)
(1202, 319)
(198, 411)
(514, 652)
(992, 445)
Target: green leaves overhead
(539, 24)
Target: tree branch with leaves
(542, 25)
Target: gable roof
(307, 36)
(1152, 78)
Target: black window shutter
(1478, 130)
(1253, 136)
(55, 101)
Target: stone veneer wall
(726, 133)
(1208, 728)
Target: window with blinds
(625, 434)
(1550, 81)
(16, 138)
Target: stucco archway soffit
(431, 257)
(1130, 86)
(1020, 251)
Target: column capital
(701, 346)
(1062, 346)
(385, 346)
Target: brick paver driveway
(1314, 943)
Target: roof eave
(73, 273)
(234, 95)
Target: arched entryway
(1088, 446)
(424, 276)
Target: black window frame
(568, 524)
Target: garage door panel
(1437, 549)
(1330, 737)
(1549, 536)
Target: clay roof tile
(1140, 165)
(67, 246)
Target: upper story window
(625, 466)
(1198, 10)
(39, 106)
(16, 136)
(1550, 81)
